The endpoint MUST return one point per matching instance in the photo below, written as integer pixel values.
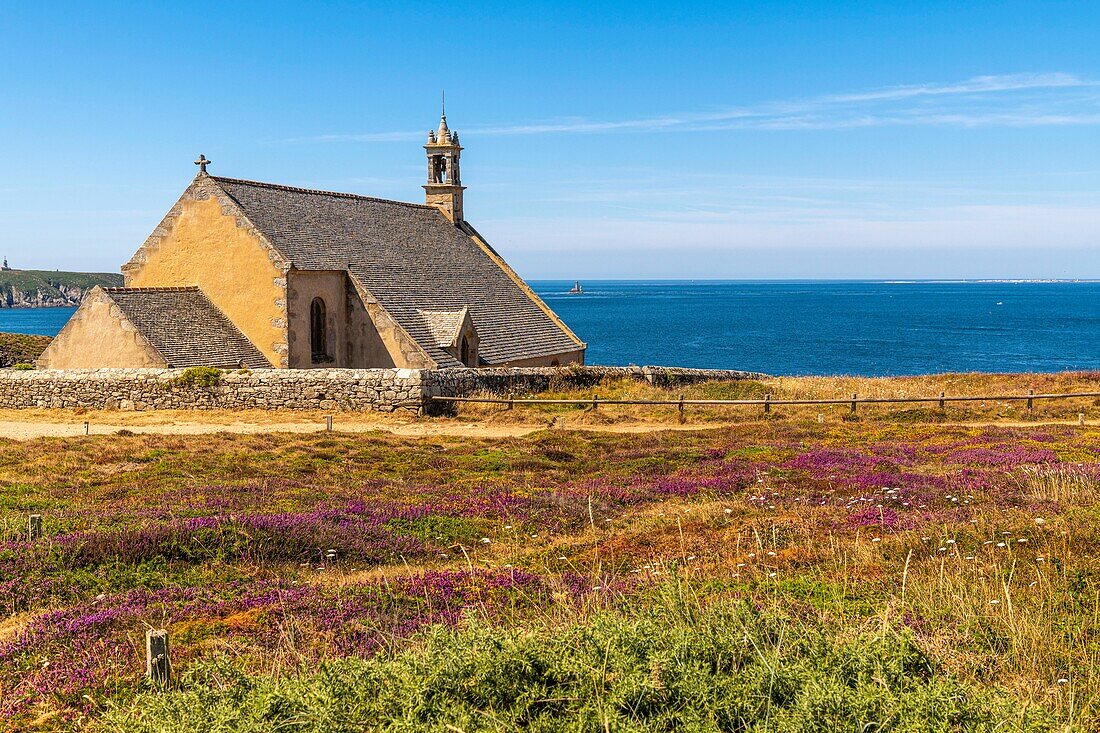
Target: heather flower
(95, 640)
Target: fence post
(158, 667)
(511, 404)
(87, 428)
(1080, 418)
(1030, 399)
(943, 404)
(854, 398)
(328, 423)
(34, 527)
(767, 403)
(595, 401)
(680, 407)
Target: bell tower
(444, 187)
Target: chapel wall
(567, 358)
(203, 246)
(366, 347)
(303, 287)
(399, 348)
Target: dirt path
(58, 424)
(30, 429)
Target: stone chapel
(258, 275)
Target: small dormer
(455, 333)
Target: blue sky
(732, 140)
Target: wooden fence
(768, 402)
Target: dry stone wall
(385, 390)
(529, 380)
(382, 390)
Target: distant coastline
(50, 288)
(865, 328)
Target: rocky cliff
(50, 288)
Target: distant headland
(50, 288)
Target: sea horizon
(826, 327)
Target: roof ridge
(168, 289)
(320, 192)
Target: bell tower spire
(444, 187)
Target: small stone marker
(34, 527)
(158, 668)
(328, 423)
(87, 427)
(1080, 418)
(821, 417)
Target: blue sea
(800, 327)
(859, 328)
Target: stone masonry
(384, 390)
(527, 380)
(381, 390)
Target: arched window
(318, 338)
(464, 352)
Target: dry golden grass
(968, 582)
(800, 388)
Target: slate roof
(186, 328)
(444, 325)
(411, 258)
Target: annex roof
(412, 259)
(186, 328)
(444, 325)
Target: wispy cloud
(1006, 100)
(974, 85)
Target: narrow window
(318, 339)
(464, 352)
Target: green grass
(674, 665)
(766, 576)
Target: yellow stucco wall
(204, 247)
(366, 349)
(302, 288)
(393, 346)
(98, 336)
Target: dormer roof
(446, 326)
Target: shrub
(198, 377)
(725, 668)
(21, 348)
(23, 366)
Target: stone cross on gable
(202, 162)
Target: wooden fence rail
(768, 402)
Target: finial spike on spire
(443, 105)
